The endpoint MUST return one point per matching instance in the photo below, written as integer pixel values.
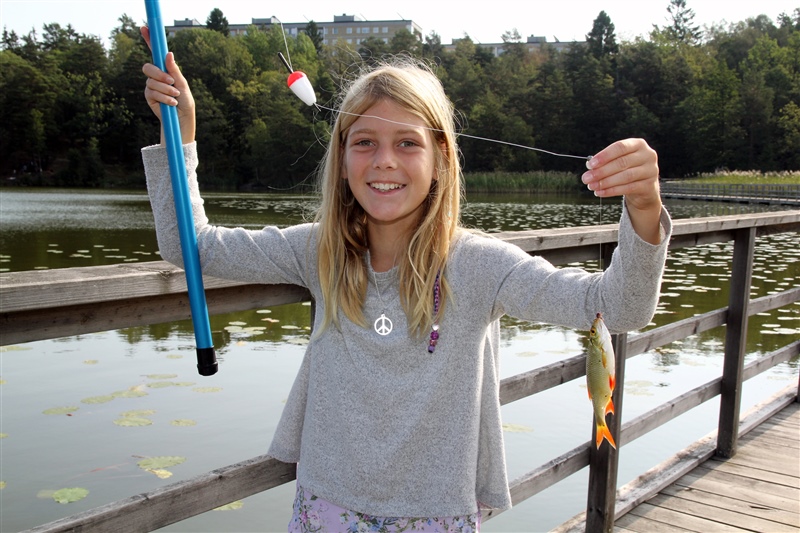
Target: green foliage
(217, 22)
(526, 182)
(72, 112)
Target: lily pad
(207, 389)
(14, 348)
(516, 428)
(233, 506)
(174, 356)
(70, 495)
(161, 376)
(3, 435)
(164, 461)
(160, 384)
(133, 422)
(133, 392)
(183, 422)
(98, 399)
(60, 410)
(91, 362)
(2, 485)
(160, 473)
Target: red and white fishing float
(300, 85)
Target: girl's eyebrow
(409, 131)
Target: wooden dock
(756, 490)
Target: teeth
(385, 186)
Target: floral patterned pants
(312, 515)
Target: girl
(394, 417)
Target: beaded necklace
(435, 326)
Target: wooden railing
(783, 194)
(39, 305)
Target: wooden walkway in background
(756, 490)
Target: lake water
(120, 397)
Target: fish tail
(604, 433)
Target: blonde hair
(342, 222)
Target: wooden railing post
(735, 341)
(604, 462)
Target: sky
(565, 20)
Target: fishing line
(286, 44)
(582, 157)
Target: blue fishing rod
(206, 359)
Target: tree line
(72, 112)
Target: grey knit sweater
(376, 423)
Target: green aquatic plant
(60, 410)
(132, 421)
(70, 495)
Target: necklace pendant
(383, 325)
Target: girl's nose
(385, 158)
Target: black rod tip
(206, 361)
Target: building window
(376, 30)
(334, 30)
(349, 30)
(349, 41)
(385, 29)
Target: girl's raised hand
(169, 88)
(629, 168)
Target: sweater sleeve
(269, 255)
(506, 280)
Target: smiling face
(389, 166)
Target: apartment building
(350, 29)
(532, 44)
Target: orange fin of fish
(610, 407)
(604, 433)
(612, 381)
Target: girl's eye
(363, 142)
(408, 144)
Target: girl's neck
(385, 249)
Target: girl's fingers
(623, 168)
(145, 31)
(155, 73)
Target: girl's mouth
(386, 186)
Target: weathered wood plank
(686, 521)
(787, 418)
(773, 439)
(745, 471)
(765, 462)
(744, 493)
(640, 524)
(785, 518)
(38, 324)
(726, 517)
(765, 487)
